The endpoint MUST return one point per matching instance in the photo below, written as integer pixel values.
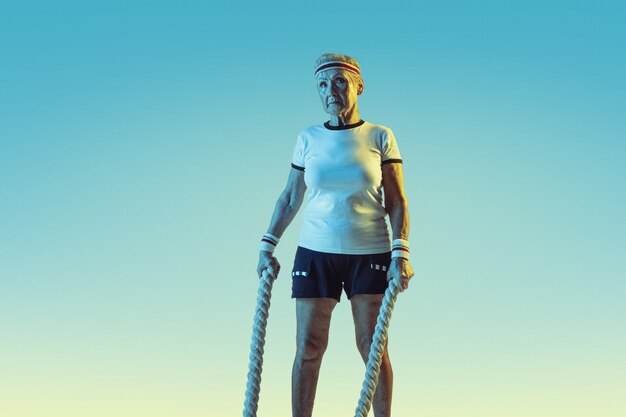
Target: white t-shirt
(342, 168)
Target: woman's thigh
(313, 319)
(365, 309)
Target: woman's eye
(340, 81)
(323, 84)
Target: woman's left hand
(401, 271)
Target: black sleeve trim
(391, 161)
(297, 167)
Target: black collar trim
(357, 124)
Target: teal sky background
(142, 148)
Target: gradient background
(142, 148)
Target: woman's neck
(347, 118)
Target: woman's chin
(333, 110)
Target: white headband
(337, 64)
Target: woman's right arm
(286, 208)
(288, 203)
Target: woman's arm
(288, 203)
(397, 207)
(287, 206)
(396, 203)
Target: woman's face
(337, 90)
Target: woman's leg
(365, 309)
(313, 322)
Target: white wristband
(268, 242)
(400, 249)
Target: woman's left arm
(397, 207)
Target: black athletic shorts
(323, 275)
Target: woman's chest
(346, 164)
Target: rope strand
(253, 384)
(376, 350)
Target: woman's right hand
(269, 263)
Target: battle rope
(253, 385)
(376, 350)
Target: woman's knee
(311, 348)
(364, 344)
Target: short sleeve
(297, 161)
(389, 152)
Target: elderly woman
(346, 164)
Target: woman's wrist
(268, 243)
(400, 249)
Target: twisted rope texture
(253, 385)
(376, 350)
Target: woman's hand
(401, 271)
(269, 262)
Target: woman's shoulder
(311, 132)
(312, 129)
(377, 127)
(379, 133)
